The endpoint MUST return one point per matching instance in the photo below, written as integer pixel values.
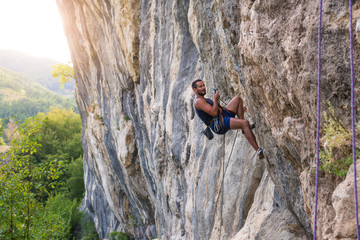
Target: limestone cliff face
(150, 172)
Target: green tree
(75, 183)
(19, 218)
(60, 205)
(41, 178)
(60, 140)
(61, 134)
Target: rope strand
(318, 122)
(353, 120)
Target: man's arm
(201, 104)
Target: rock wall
(150, 172)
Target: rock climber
(220, 119)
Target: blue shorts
(225, 126)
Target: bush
(118, 236)
(88, 230)
(336, 153)
(65, 208)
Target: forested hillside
(36, 68)
(22, 96)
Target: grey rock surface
(343, 202)
(149, 171)
(268, 217)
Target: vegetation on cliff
(336, 154)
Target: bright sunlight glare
(33, 27)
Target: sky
(33, 27)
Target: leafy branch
(65, 73)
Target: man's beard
(201, 94)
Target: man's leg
(236, 106)
(245, 126)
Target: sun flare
(33, 27)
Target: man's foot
(252, 126)
(260, 153)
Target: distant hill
(24, 97)
(36, 68)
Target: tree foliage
(41, 178)
(2, 142)
(64, 73)
(61, 132)
(20, 210)
(75, 182)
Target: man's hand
(216, 97)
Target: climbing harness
(219, 124)
(352, 121)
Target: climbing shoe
(260, 153)
(252, 126)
